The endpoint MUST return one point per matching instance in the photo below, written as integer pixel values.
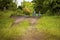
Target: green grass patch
(11, 33)
(50, 25)
(5, 22)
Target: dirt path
(31, 33)
(32, 20)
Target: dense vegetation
(51, 6)
(7, 4)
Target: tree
(6, 4)
(38, 5)
(20, 7)
(44, 5)
(27, 7)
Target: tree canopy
(7, 4)
(45, 5)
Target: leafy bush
(6, 14)
(45, 5)
(27, 11)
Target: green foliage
(20, 7)
(13, 6)
(18, 12)
(6, 14)
(26, 11)
(27, 7)
(45, 5)
(7, 4)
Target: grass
(51, 26)
(6, 14)
(48, 24)
(7, 32)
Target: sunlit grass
(50, 25)
(11, 33)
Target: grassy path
(34, 33)
(30, 28)
(31, 33)
(32, 20)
